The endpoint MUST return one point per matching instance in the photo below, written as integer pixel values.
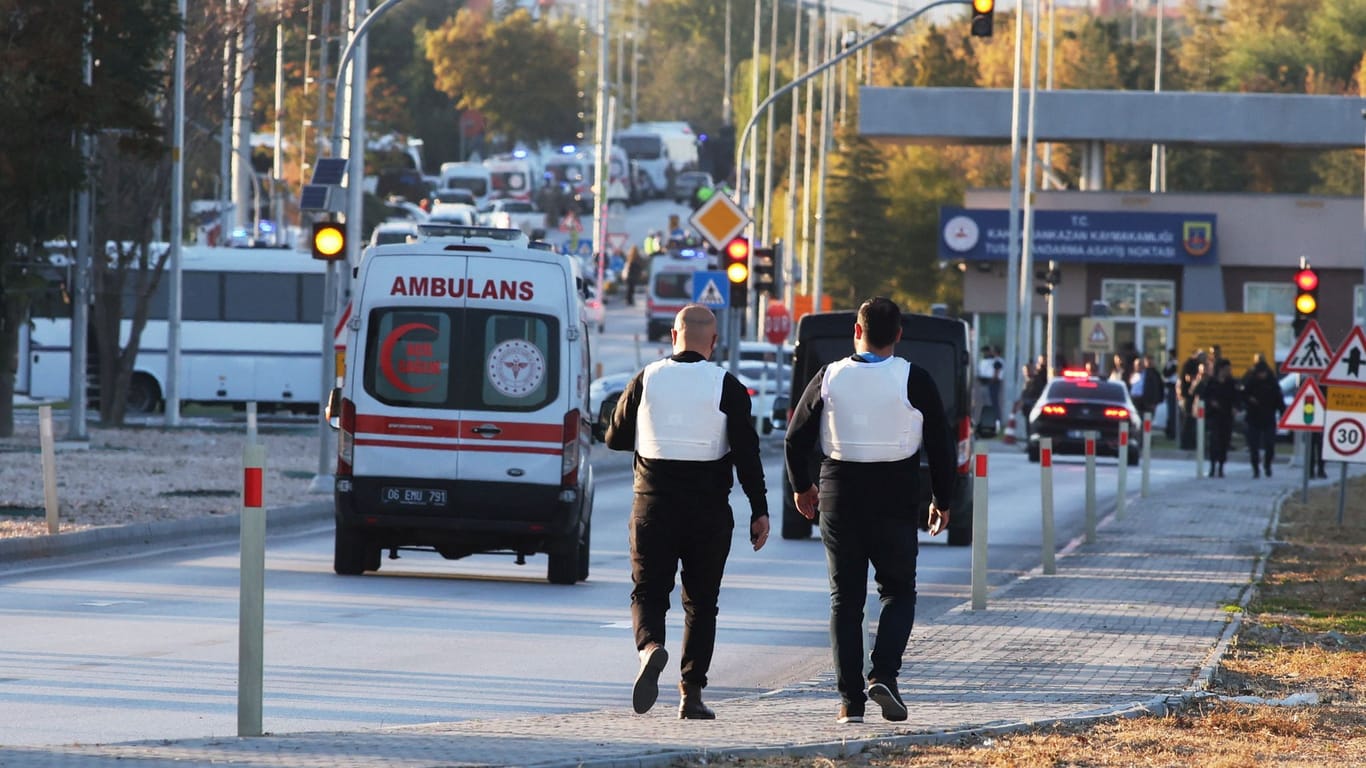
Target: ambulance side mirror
(334, 408)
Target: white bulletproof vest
(680, 414)
(866, 416)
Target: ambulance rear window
(462, 359)
(674, 285)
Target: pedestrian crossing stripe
(711, 295)
(1311, 352)
(1306, 411)
(1348, 365)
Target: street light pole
(177, 238)
(790, 226)
(1157, 180)
(1013, 276)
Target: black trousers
(1220, 430)
(666, 531)
(1261, 443)
(856, 531)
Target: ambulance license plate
(413, 497)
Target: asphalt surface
(1132, 623)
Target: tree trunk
(11, 315)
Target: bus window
(257, 297)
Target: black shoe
(887, 697)
(1268, 470)
(646, 690)
(850, 713)
(1256, 472)
(1322, 475)
(690, 706)
(1221, 469)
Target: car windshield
(1085, 389)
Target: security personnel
(689, 424)
(872, 415)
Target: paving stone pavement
(1129, 622)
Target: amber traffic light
(329, 240)
(735, 261)
(982, 11)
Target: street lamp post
(742, 143)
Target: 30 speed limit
(1345, 438)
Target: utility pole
(1013, 276)
(243, 179)
(600, 139)
(277, 168)
(726, 118)
(80, 309)
(827, 127)
(225, 164)
(177, 237)
(790, 226)
(1157, 180)
(1024, 347)
(754, 101)
(809, 140)
(767, 231)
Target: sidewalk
(1128, 624)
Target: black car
(938, 344)
(1074, 403)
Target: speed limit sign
(1344, 428)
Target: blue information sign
(711, 288)
(1109, 237)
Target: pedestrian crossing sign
(1311, 352)
(710, 288)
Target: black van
(938, 344)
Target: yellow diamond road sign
(719, 220)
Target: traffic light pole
(742, 144)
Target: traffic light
(1050, 276)
(329, 240)
(735, 261)
(765, 281)
(1306, 297)
(982, 11)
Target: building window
(1359, 304)
(1133, 299)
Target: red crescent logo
(386, 357)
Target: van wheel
(564, 562)
(794, 525)
(349, 553)
(583, 550)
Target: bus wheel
(143, 395)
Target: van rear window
(673, 285)
(462, 359)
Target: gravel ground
(141, 474)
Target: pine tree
(860, 241)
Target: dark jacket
(701, 479)
(896, 481)
(1262, 396)
(1154, 391)
(1220, 398)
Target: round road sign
(1347, 436)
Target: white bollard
(251, 423)
(1123, 474)
(979, 531)
(1199, 437)
(1147, 453)
(49, 460)
(1050, 565)
(251, 594)
(1090, 486)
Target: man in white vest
(872, 415)
(689, 423)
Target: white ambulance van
(463, 411)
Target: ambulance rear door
(410, 381)
(517, 395)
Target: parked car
(454, 213)
(387, 232)
(1075, 403)
(687, 183)
(514, 214)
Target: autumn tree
(518, 72)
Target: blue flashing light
(701, 137)
(519, 154)
(691, 253)
(239, 232)
(267, 226)
(568, 149)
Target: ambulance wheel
(349, 554)
(564, 562)
(583, 550)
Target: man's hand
(758, 533)
(939, 519)
(806, 501)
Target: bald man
(689, 423)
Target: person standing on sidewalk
(872, 414)
(688, 422)
(1220, 395)
(1263, 401)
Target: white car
(514, 214)
(387, 232)
(454, 213)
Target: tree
(862, 253)
(40, 162)
(517, 72)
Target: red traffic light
(737, 260)
(1307, 279)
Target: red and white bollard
(1199, 437)
(1121, 487)
(1050, 565)
(1090, 486)
(251, 594)
(979, 531)
(1147, 453)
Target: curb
(161, 532)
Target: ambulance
(463, 410)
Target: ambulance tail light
(964, 445)
(346, 438)
(569, 462)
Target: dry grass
(1304, 632)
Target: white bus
(650, 156)
(251, 331)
